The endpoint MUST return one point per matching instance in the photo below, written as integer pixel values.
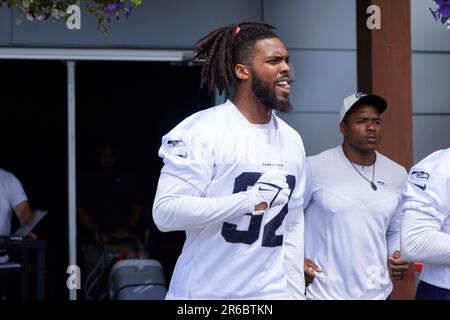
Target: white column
(71, 152)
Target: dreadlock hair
(225, 47)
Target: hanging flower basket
(104, 10)
(442, 12)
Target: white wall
(321, 39)
(430, 73)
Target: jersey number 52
(269, 238)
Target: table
(27, 246)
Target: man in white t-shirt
(352, 222)
(233, 176)
(425, 235)
(12, 199)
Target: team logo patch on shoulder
(419, 179)
(420, 175)
(176, 143)
(178, 148)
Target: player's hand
(397, 266)
(310, 269)
(270, 190)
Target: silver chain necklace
(374, 187)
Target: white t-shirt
(237, 256)
(426, 226)
(349, 228)
(11, 194)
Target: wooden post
(384, 68)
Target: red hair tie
(236, 31)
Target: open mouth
(284, 84)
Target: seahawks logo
(177, 146)
(176, 143)
(360, 95)
(420, 175)
(419, 179)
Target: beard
(266, 94)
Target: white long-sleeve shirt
(210, 160)
(425, 235)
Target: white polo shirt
(349, 228)
(11, 194)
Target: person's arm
(426, 206)
(293, 257)
(393, 232)
(179, 206)
(24, 213)
(293, 237)
(422, 238)
(397, 265)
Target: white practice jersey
(426, 228)
(349, 228)
(219, 153)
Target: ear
(241, 71)
(343, 128)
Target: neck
(254, 111)
(359, 157)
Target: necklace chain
(374, 187)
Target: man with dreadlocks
(234, 176)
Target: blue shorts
(426, 291)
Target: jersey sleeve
(16, 192)
(294, 235)
(188, 154)
(393, 232)
(178, 206)
(427, 188)
(308, 184)
(426, 207)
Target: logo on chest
(382, 184)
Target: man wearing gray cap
(352, 222)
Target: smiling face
(362, 129)
(270, 74)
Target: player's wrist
(256, 203)
(261, 207)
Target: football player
(234, 176)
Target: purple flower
(113, 7)
(443, 11)
(128, 11)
